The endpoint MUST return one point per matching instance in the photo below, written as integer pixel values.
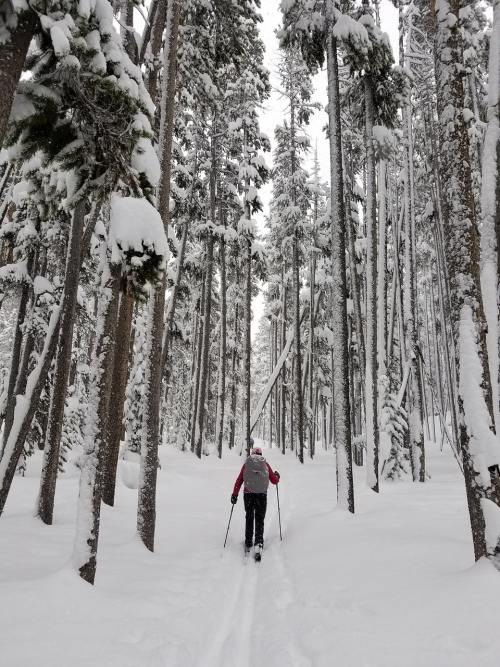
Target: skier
(256, 474)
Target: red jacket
(273, 478)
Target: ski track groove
(284, 598)
(242, 627)
(233, 639)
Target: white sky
(273, 113)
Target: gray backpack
(256, 474)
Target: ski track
(284, 598)
(234, 629)
(253, 623)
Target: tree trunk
(27, 404)
(345, 489)
(197, 374)
(234, 359)
(312, 402)
(15, 362)
(490, 211)
(45, 505)
(385, 437)
(146, 511)
(117, 396)
(298, 357)
(161, 15)
(283, 392)
(172, 304)
(414, 393)
(26, 407)
(89, 497)
(221, 391)
(127, 30)
(479, 445)
(371, 376)
(205, 345)
(248, 342)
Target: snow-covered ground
(393, 586)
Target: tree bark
(312, 402)
(414, 393)
(248, 342)
(159, 18)
(45, 504)
(146, 511)
(479, 445)
(90, 493)
(117, 396)
(221, 393)
(15, 362)
(205, 346)
(26, 407)
(345, 489)
(371, 376)
(490, 212)
(298, 356)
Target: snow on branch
(137, 238)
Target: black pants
(255, 508)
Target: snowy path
(393, 586)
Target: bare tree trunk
(414, 392)
(146, 35)
(490, 212)
(296, 292)
(172, 307)
(371, 377)
(155, 38)
(89, 497)
(312, 401)
(283, 385)
(298, 357)
(479, 445)
(356, 296)
(205, 344)
(197, 373)
(172, 304)
(146, 511)
(45, 504)
(345, 489)
(127, 30)
(234, 358)
(15, 362)
(248, 342)
(273, 393)
(26, 407)
(117, 396)
(383, 388)
(192, 377)
(221, 393)
(27, 404)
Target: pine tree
(478, 443)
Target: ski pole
(279, 514)
(227, 531)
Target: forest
(175, 284)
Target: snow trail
(340, 589)
(240, 602)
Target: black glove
(277, 475)
(234, 499)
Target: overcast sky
(273, 112)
